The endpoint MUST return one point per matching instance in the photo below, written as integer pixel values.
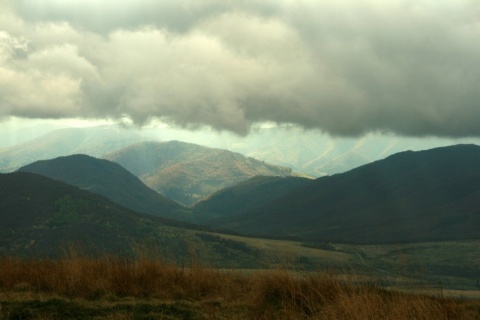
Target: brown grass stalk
(274, 294)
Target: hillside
(245, 196)
(188, 172)
(43, 217)
(108, 179)
(40, 215)
(411, 196)
(62, 142)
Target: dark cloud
(109, 15)
(409, 67)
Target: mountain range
(108, 179)
(94, 141)
(316, 154)
(424, 205)
(41, 217)
(188, 172)
(408, 197)
(308, 152)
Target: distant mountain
(244, 197)
(318, 154)
(408, 197)
(45, 218)
(108, 179)
(188, 172)
(94, 141)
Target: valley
(407, 223)
(445, 264)
(290, 160)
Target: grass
(112, 287)
(447, 264)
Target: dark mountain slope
(40, 215)
(108, 179)
(44, 217)
(187, 172)
(245, 196)
(411, 196)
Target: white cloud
(345, 67)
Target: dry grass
(93, 278)
(281, 294)
(205, 293)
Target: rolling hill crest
(42, 216)
(108, 179)
(46, 218)
(407, 197)
(188, 172)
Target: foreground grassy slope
(115, 288)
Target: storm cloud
(344, 67)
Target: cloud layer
(344, 67)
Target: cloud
(408, 67)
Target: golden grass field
(111, 287)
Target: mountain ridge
(42, 215)
(108, 179)
(187, 172)
(46, 218)
(406, 197)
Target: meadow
(116, 287)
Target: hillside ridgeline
(108, 179)
(408, 197)
(187, 172)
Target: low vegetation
(112, 287)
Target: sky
(345, 68)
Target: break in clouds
(344, 67)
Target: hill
(43, 217)
(40, 215)
(61, 142)
(188, 172)
(108, 179)
(245, 196)
(408, 197)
